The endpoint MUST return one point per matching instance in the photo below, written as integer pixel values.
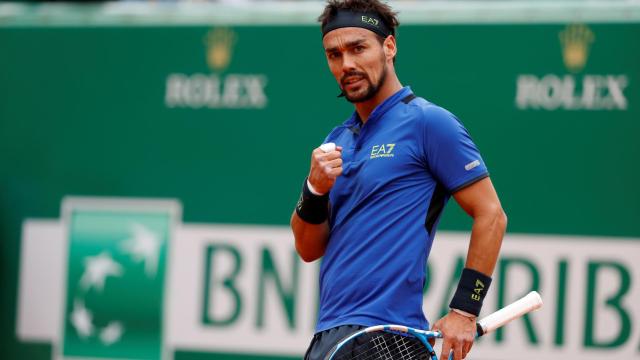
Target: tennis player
(371, 206)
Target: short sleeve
(451, 156)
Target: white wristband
(313, 190)
(463, 313)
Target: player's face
(357, 60)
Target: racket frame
(518, 308)
(422, 335)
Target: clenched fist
(325, 169)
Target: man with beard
(370, 207)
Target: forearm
(486, 238)
(312, 233)
(310, 239)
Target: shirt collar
(381, 109)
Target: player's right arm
(311, 238)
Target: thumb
(432, 341)
(434, 327)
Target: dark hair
(388, 16)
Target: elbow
(307, 258)
(306, 255)
(310, 240)
(305, 252)
(501, 219)
(307, 249)
(494, 217)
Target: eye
(359, 49)
(333, 55)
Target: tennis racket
(397, 342)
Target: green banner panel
(110, 255)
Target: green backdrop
(83, 112)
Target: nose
(348, 63)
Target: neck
(390, 87)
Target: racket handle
(528, 303)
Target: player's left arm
(481, 202)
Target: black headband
(367, 20)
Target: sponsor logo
(111, 296)
(472, 165)
(576, 40)
(477, 290)
(217, 89)
(573, 91)
(370, 20)
(219, 44)
(122, 279)
(382, 151)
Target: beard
(366, 91)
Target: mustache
(352, 74)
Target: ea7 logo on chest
(384, 150)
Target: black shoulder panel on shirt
(408, 98)
(470, 182)
(435, 207)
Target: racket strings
(385, 346)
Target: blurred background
(151, 154)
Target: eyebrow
(350, 44)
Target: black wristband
(312, 208)
(471, 291)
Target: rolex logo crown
(576, 40)
(219, 43)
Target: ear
(389, 47)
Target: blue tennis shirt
(399, 170)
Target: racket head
(385, 342)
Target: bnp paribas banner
(127, 279)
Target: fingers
(455, 345)
(332, 166)
(446, 342)
(320, 155)
(466, 348)
(432, 341)
(457, 352)
(446, 349)
(461, 348)
(329, 162)
(325, 168)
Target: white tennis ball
(328, 147)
